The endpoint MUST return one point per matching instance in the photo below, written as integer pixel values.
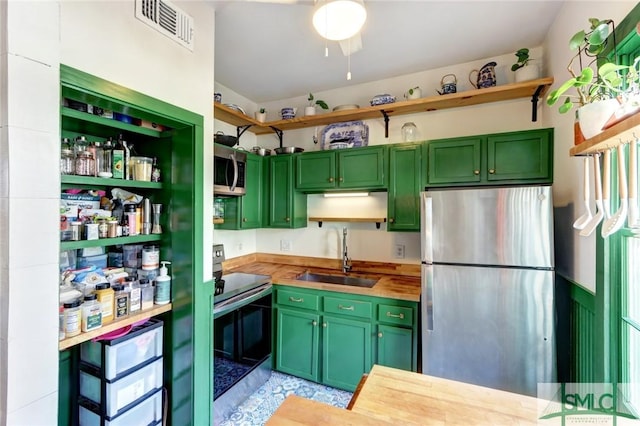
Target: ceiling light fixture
(339, 19)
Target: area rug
(257, 409)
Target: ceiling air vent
(167, 19)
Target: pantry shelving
(106, 242)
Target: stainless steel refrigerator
(488, 286)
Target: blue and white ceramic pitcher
(486, 77)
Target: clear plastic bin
(123, 354)
(147, 412)
(123, 392)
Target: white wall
(575, 255)
(365, 241)
(102, 38)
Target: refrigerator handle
(427, 289)
(426, 227)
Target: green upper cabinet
(405, 183)
(287, 207)
(356, 168)
(524, 157)
(520, 156)
(455, 160)
(246, 212)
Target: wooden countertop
(396, 281)
(392, 396)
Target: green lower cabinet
(350, 341)
(346, 351)
(396, 347)
(297, 343)
(405, 184)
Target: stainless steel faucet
(346, 262)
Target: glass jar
(72, 318)
(67, 162)
(81, 144)
(150, 257)
(103, 228)
(146, 290)
(409, 132)
(85, 164)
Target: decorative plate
(382, 99)
(353, 133)
(236, 108)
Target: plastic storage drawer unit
(118, 356)
(147, 412)
(119, 394)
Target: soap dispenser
(163, 285)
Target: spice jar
(131, 285)
(150, 257)
(67, 162)
(121, 302)
(91, 313)
(72, 318)
(105, 293)
(85, 164)
(103, 228)
(112, 228)
(132, 219)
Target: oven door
(242, 337)
(229, 172)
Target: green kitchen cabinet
(452, 161)
(345, 169)
(297, 343)
(405, 184)
(246, 212)
(524, 157)
(346, 351)
(287, 207)
(357, 331)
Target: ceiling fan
(334, 20)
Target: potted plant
(311, 109)
(523, 68)
(261, 115)
(596, 92)
(413, 93)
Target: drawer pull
(331, 179)
(346, 308)
(476, 172)
(293, 299)
(380, 334)
(314, 323)
(401, 315)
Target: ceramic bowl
(382, 99)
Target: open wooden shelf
(535, 89)
(620, 133)
(376, 220)
(114, 325)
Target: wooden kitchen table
(391, 396)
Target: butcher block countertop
(391, 396)
(396, 281)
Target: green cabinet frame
(405, 184)
(189, 326)
(287, 207)
(348, 169)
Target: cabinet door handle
(331, 179)
(293, 299)
(400, 315)
(244, 219)
(380, 334)
(341, 179)
(346, 308)
(492, 171)
(286, 219)
(314, 323)
(324, 324)
(391, 220)
(476, 172)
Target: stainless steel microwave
(229, 171)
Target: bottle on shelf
(163, 285)
(104, 292)
(91, 313)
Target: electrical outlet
(285, 245)
(399, 251)
(240, 247)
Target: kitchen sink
(337, 279)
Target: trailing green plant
(322, 104)
(523, 59)
(589, 85)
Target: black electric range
(236, 284)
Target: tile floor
(257, 409)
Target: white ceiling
(270, 51)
